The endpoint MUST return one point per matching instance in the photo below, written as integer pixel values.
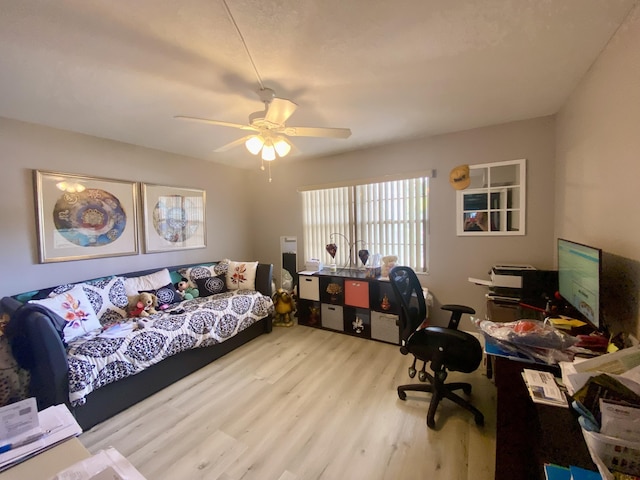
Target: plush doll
(144, 306)
(185, 291)
(283, 303)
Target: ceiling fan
(269, 130)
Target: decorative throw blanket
(97, 359)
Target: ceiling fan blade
(216, 122)
(279, 111)
(317, 132)
(233, 144)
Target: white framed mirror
(495, 200)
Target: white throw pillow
(74, 307)
(241, 275)
(152, 281)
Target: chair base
(445, 391)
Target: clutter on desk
(533, 339)
(543, 388)
(28, 432)
(606, 395)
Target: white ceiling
(389, 70)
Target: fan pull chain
(270, 172)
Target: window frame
(347, 238)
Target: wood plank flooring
(302, 404)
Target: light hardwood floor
(301, 404)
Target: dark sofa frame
(49, 373)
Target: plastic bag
(532, 333)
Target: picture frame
(81, 217)
(174, 218)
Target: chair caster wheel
(402, 395)
(422, 376)
(467, 389)
(412, 372)
(479, 420)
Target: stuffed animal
(185, 291)
(283, 303)
(144, 306)
(388, 263)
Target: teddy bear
(144, 305)
(185, 291)
(388, 262)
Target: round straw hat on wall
(459, 177)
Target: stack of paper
(543, 388)
(25, 432)
(624, 365)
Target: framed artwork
(174, 218)
(83, 217)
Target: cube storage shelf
(350, 303)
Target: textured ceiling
(389, 70)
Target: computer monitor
(579, 272)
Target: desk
(48, 463)
(529, 434)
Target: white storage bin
(309, 287)
(611, 453)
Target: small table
(48, 463)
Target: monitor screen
(579, 269)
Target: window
(389, 218)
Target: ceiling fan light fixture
(282, 147)
(268, 152)
(254, 144)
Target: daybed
(104, 371)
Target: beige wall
(277, 206)
(598, 170)
(26, 147)
(590, 152)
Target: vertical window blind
(389, 218)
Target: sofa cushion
(196, 272)
(241, 275)
(106, 296)
(74, 307)
(167, 295)
(151, 281)
(211, 285)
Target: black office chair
(447, 349)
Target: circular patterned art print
(92, 218)
(171, 219)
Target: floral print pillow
(241, 275)
(74, 307)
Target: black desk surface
(528, 434)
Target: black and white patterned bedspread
(101, 358)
